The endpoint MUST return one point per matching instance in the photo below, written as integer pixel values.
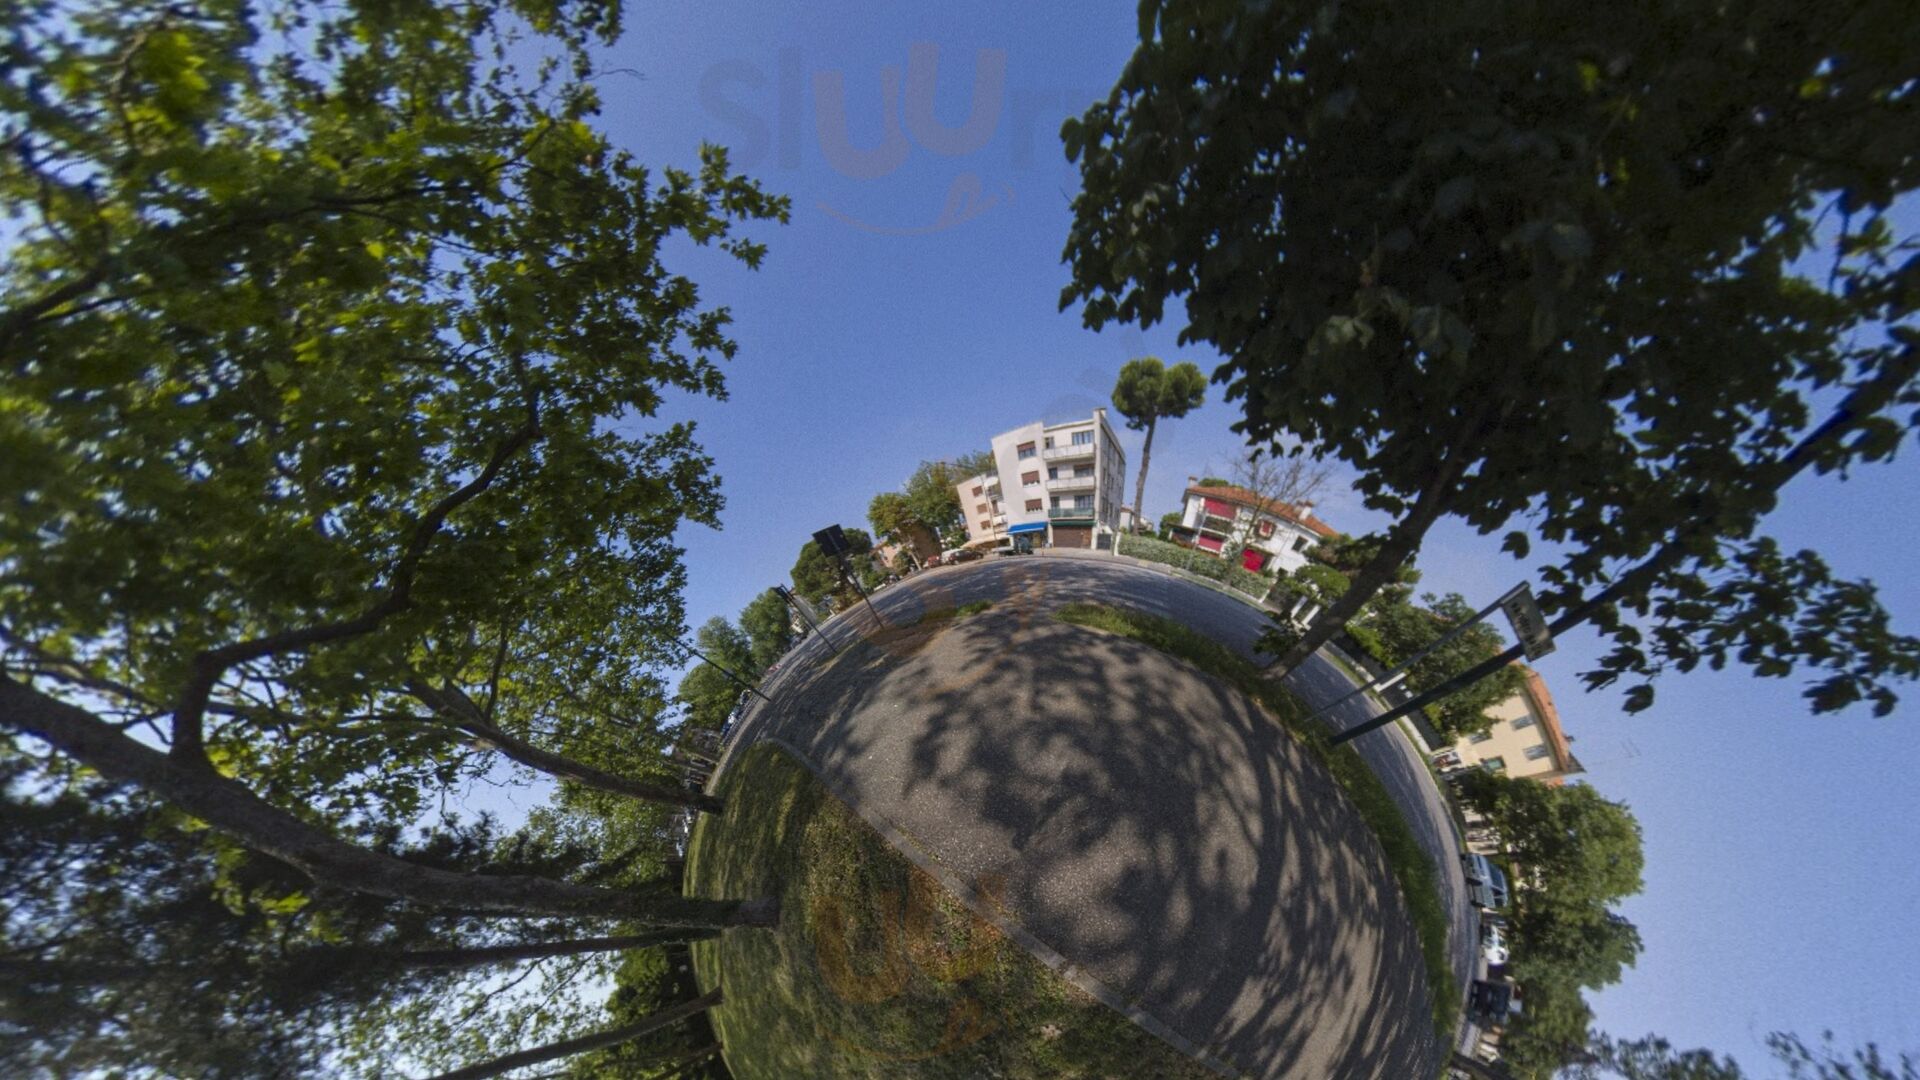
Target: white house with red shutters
(1271, 535)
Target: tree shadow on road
(1152, 825)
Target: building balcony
(1070, 513)
(1068, 453)
(1071, 483)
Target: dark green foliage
(769, 629)
(336, 355)
(1573, 854)
(1403, 630)
(130, 938)
(927, 514)
(647, 982)
(816, 577)
(1542, 266)
(1205, 564)
(1146, 392)
(1653, 1058)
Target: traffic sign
(1529, 626)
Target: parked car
(1486, 885)
(1493, 1002)
(958, 555)
(1493, 942)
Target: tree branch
(207, 667)
(459, 710)
(231, 808)
(581, 1045)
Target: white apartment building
(1271, 534)
(1059, 484)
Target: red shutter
(1219, 509)
(1253, 559)
(1208, 542)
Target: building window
(1082, 438)
(981, 509)
(1049, 442)
(1033, 504)
(1025, 450)
(1083, 502)
(1538, 753)
(1299, 543)
(986, 526)
(1480, 736)
(976, 491)
(1053, 473)
(1030, 478)
(1523, 721)
(1494, 764)
(1081, 472)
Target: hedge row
(1197, 562)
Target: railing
(1071, 483)
(1062, 453)
(1068, 513)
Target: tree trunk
(570, 1047)
(465, 715)
(321, 961)
(231, 808)
(1402, 541)
(1140, 485)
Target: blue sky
(910, 312)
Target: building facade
(1271, 535)
(1525, 738)
(1058, 484)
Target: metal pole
(847, 575)
(1400, 672)
(795, 605)
(742, 683)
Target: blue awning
(1029, 527)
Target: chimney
(1306, 510)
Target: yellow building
(1525, 738)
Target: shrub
(1370, 643)
(1201, 563)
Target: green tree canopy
(816, 577)
(926, 514)
(1543, 267)
(769, 629)
(1148, 391)
(1405, 629)
(1654, 1058)
(1583, 847)
(334, 354)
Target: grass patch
(876, 971)
(1412, 869)
(934, 615)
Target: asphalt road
(1140, 820)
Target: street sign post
(1529, 626)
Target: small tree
(1148, 391)
(1287, 481)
